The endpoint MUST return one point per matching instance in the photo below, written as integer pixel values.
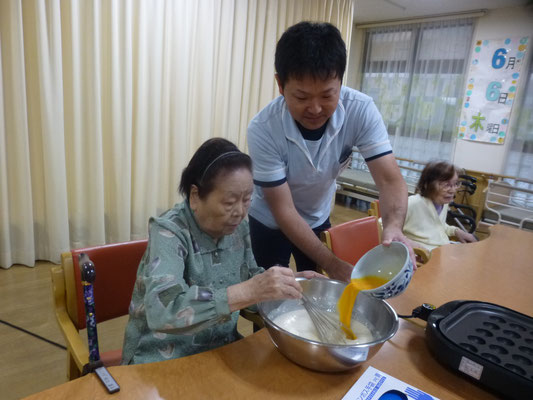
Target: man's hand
(339, 269)
(392, 200)
(391, 234)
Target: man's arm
(392, 199)
(280, 202)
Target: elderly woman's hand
(309, 275)
(465, 237)
(274, 284)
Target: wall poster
(492, 82)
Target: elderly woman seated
(425, 222)
(198, 269)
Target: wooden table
(498, 269)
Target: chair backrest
(351, 240)
(116, 270)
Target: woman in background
(425, 222)
(198, 269)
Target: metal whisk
(327, 324)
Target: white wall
(497, 24)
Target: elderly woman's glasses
(448, 185)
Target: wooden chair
(373, 210)
(116, 270)
(351, 240)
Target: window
(415, 74)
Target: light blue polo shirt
(279, 151)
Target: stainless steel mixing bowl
(376, 314)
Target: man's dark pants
(271, 247)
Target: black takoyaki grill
(491, 344)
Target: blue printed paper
(377, 385)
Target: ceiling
(383, 10)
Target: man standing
(302, 140)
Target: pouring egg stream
(347, 300)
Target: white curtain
(520, 158)
(415, 74)
(103, 102)
(519, 161)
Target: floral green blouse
(179, 304)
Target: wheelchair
(462, 215)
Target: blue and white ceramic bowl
(392, 263)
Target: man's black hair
(313, 49)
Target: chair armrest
(252, 316)
(75, 345)
(423, 255)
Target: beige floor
(29, 365)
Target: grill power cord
(33, 334)
(421, 312)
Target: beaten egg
(347, 300)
